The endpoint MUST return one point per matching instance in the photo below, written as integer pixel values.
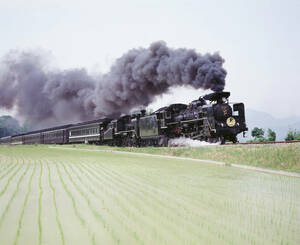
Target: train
(210, 118)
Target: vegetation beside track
(279, 157)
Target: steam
(45, 97)
(190, 142)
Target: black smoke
(44, 97)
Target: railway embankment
(284, 157)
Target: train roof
(44, 130)
(90, 122)
(63, 126)
(172, 107)
(161, 109)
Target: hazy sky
(260, 40)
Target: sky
(259, 40)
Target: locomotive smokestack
(47, 97)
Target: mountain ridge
(264, 120)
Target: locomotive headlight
(230, 121)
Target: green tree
(271, 135)
(8, 126)
(292, 135)
(258, 134)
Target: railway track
(267, 143)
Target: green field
(57, 196)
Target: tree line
(11, 126)
(259, 135)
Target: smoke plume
(45, 97)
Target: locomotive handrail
(193, 120)
(125, 131)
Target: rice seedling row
(50, 196)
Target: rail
(266, 143)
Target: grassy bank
(280, 157)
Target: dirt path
(280, 172)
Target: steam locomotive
(210, 118)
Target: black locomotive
(210, 118)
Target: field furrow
(141, 210)
(10, 211)
(10, 178)
(20, 222)
(160, 209)
(57, 215)
(40, 204)
(7, 170)
(111, 195)
(96, 212)
(5, 162)
(75, 203)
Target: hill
(9, 126)
(264, 120)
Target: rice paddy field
(61, 196)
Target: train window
(235, 113)
(168, 115)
